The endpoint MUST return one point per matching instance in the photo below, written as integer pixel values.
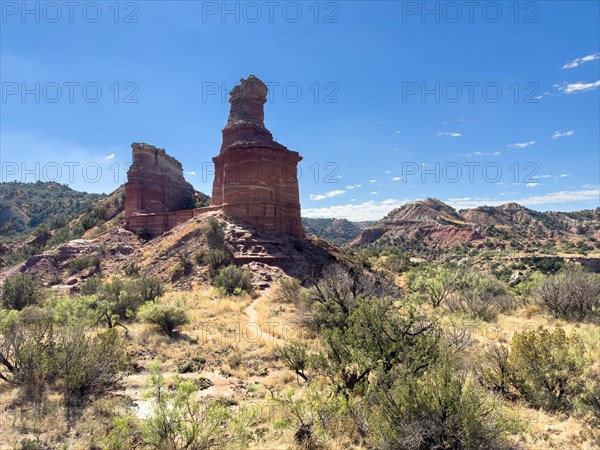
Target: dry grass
(238, 337)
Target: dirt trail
(252, 314)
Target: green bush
(546, 368)
(43, 347)
(19, 291)
(89, 364)
(571, 294)
(179, 421)
(167, 317)
(233, 280)
(288, 290)
(90, 286)
(213, 258)
(80, 263)
(441, 409)
(433, 284)
(215, 237)
(146, 289)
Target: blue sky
(387, 102)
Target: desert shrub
(19, 291)
(233, 280)
(571, 294)
(27, 343)
(287, 290)
(132, 270)
(215, 237)
(122, 433)
(214, 258)
(374, 338)
(118, 300)
(113, 304)
(90, 286)
(146, 289)
(142, 235)
(397, 263)
(433, 283)
(39, 347)
(89, 364)
(184, 257)
(167, 317)
(179, 421)
(440, 409)
(319, 412)
(546, 368)
(479, 296)
(29, 444)
(80, 263)
(334, 295)
(296, 359)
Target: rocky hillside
(337, 231)
(25, 206)
(182, 257)
(434, 224)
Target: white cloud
(327, 195)
(558, 134)
(578, 61)
(111, 156)
(574, 88)
(521, 145)
(372, 181)
(563, 175)
(374, 193)
(449, 133)
(544, 199)
(353, 186)
(532, 184)
(373, 210)
(483, 154)
(370, 210)
(387, 172)
(396, 179)
(191, 172)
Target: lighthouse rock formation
(255, 177)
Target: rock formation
(155, 184)
(256, 177)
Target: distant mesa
(255, 177)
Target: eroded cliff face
(256, 177)
(155, 183)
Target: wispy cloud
(449, 133)
(111, 156)
(371, 210)
(396, 179)
(584, 195)
(191, 172)
(372, 181)
(558, 134)
(483, 154)
(353, 186)
(579, 61)
(521, 145)
(327, 195)
(575, 88)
